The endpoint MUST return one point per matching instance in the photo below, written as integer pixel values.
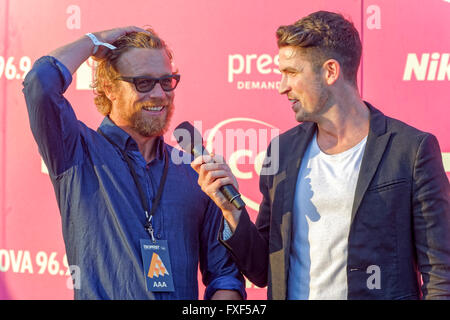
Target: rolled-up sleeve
(219, 272)
(52, 119)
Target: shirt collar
(124, 141)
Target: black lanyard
(148, 213)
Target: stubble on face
(320, 103)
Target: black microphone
(190, 140)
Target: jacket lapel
(293, 153)
(377, 140)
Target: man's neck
(146, 145)
(343, 126)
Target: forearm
(74, 54)
(219, 273)
(249, 249)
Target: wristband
(97, 43)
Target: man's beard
(152, 126)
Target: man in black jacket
(359, 205)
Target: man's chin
(151, 131)
(300, 117)
(154, 128)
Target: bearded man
(135, 224)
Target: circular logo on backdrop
(243, 143)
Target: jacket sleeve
(249, 244)
(431, 217)
(219, 272)
(52, 119)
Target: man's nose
(157, 92)
(284, 85)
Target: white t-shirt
(323, 202)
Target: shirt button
(158, 236)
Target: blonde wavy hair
(106, 69)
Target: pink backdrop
(226, 53)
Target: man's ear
(108, 89)
(332, 70)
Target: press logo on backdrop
(251, 71)
(427, 67)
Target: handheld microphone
(190, 140)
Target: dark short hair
(325, 35)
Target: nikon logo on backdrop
(427, 67)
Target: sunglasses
(145, 84)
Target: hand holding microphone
(215, 176)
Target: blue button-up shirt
(102, 215)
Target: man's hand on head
(72, 55)
(109, 36)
